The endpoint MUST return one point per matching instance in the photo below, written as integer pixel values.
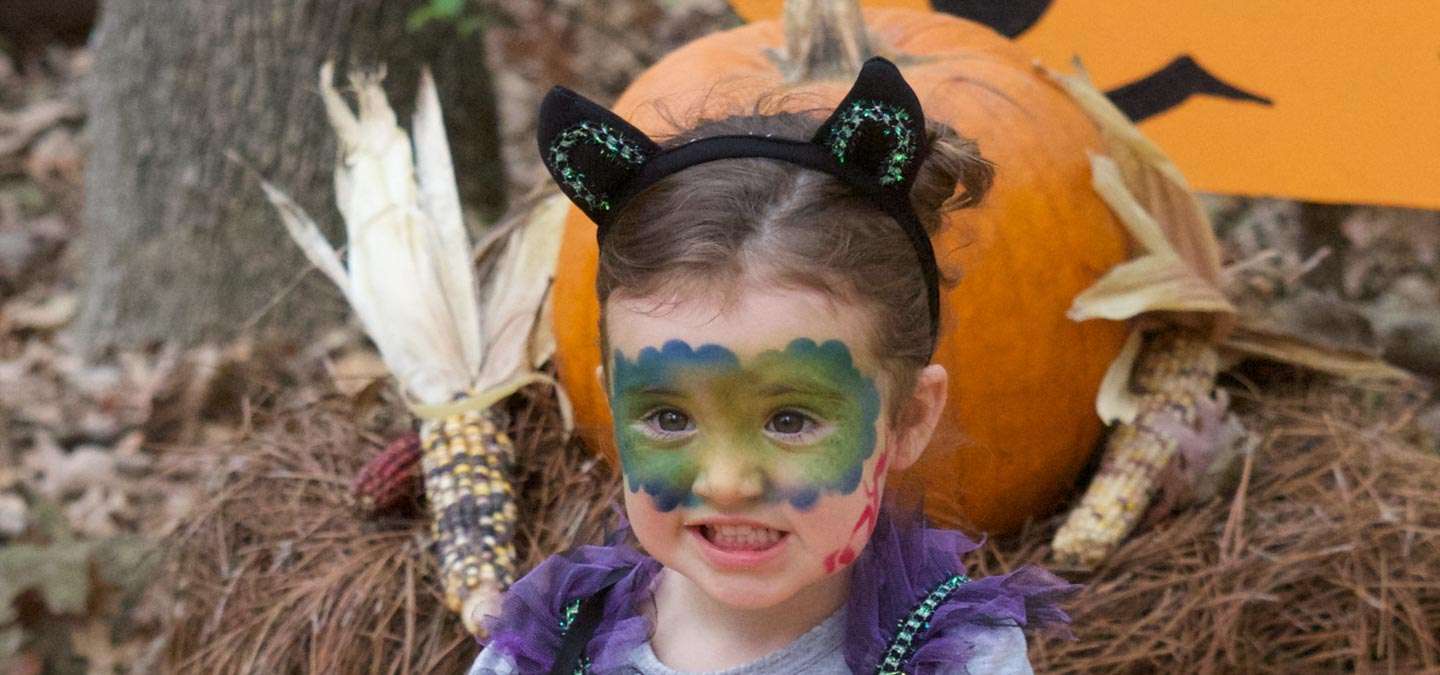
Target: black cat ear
(879, 129)
(591, 152)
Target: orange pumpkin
(1021, 422)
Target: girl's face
(751, 436)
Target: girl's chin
(739, 591)
(754, 591)
(747, 594)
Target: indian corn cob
(389, 477)
(1175, 371)
(408, 276)
(467, 462)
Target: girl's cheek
(835, 468)
(850, 524)
(663, 475)
(654, 529)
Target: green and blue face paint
(729, 403)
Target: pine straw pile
(278, 573)
(1326, 557)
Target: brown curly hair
(701, 229)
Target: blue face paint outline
(676, 359)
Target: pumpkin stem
(823, 39)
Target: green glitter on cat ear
(611, 145)
(894, 122)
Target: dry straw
(276, 572)
(1324, 557)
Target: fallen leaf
(128, 454)
(54, 472)
(356, 369)
(13, 515)
(1323, 319)
(55, 155)
(42, 413)
(176, 510)
(127, 563)
(93, 514)
(1409, 333)
(17, 251)
(10, 640)
(47, 314)
(17, 130)
(92, 641)
(214, 434)
(60, 572)
(94, 381)
(1417, 230)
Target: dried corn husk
(1177, 276)
(1174, 286)
(409, 276)
(407, 272)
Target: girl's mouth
(740, 537)
(738, 547)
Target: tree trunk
(179, 244)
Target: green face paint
(731, 404)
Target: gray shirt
(998, 651)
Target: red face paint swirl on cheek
(865, 524)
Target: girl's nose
(728, 479)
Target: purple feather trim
(528, 628)
(904, 561)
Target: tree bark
(179, 244)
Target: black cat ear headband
(874, 142)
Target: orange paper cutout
(1329, 100)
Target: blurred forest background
(150, 302)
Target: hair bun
(952, 176)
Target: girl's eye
(793, 426)
(788, 422)
(672, 420)
(668, 423)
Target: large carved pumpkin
(1021, 421)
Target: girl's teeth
(741, 536)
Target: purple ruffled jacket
(902, 564)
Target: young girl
(770, 306)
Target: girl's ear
(919, 416)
